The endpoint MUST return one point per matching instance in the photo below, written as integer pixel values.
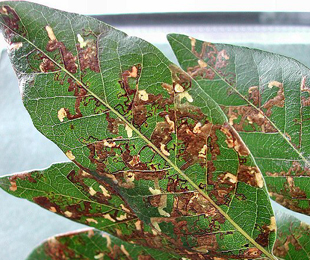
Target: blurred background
(278, 26)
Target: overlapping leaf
(292, 238)
(124, 114)
(267, 100)
(92, 244)
(68, 191)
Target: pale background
(24, 225)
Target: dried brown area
(80, 94)
(287, 201)
(284, 240)
(295, 170)
(88, 56)
(210, 60)
(12, 22)
(251, 116)
(234, 141)
(250, 175)
(305, 101)
(58, 251)
(22, 176)
(67, 57)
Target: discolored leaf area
(128, 117)
(266, 98)
(292, 238)
(68, 191)
(93, 244)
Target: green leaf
(293, 238)
(66, 190)
(93, 244)
(266, 98)
(125, 114)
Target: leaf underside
(143, 129)
(266, 98)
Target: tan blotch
(193, 41)
(5, 11)
(134, 72)
(81, 41)
(99, 256)
(105, 192)
(108, 216)
(154, 191)
(155, 224)
(109, 242)
(259, 179)
(53, 209)
(250, 90)
(178, 88)
(125, 251)
(138, 225)
(203, 152)
(128, 130)
(92, 192)
(163, 149)
(197, 128)
(15, 46)
(232, 178)
(273, 225)
(13, 186)
(109, 144)
(124, 208)
(70, 155)
(121, 217)
(274, 84)
(91, 233)
(143, 95)
(61, 114)
(186, 95)
(170, 122)
(50, 33)
(68, 214)
(202, 64)
(91, 220)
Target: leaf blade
(103, 153)
(252, 82)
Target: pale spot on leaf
(92, 192)
(91, 220)
(186, 95)
(70, 155)
(61, 114)
(143, 95)
(50, 33)
(202, 64)
(129, 131)
(163, 149)
(178, 88)
(125, 251)
(68, 214)
(13, 186)
(107, 216)
(105, 192)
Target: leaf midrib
(175, 167)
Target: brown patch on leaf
(278, 100)
(88, 54)
(234, 141)
(250, 175)
(58, 251)
(22, 176)
(252, 253)
(12, 22)
(304, 88)
(209, 61)
(295, 170)
(67, 57)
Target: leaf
(92, 244)
(266, 99)
(66, 190)
(125, 114)
(292, 238)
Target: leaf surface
(293, 238)
(125, 114)
(93, 244)
(68, 191)
(266, 98)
